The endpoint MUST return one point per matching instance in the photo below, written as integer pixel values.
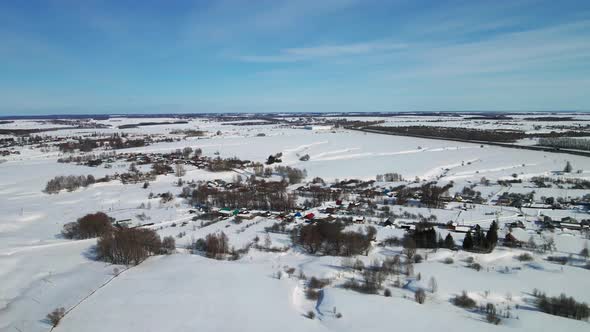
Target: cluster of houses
(564, 223)
(325, 214)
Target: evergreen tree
(449, 242)
(568, 167)
(492, 236)
(478, 237)
(468, 241)
(440, 242)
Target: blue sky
(305, 55)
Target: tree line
(331, 239)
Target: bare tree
(179, 170)
(409, 248)
(432, 284)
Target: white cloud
(323, 51)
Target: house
(455, 227)
(387, 223)
(462, 229)
(330, 210)
(327, 218)
(511, 241)
(245, 214)
(516, 224)
(408, 227)
(225, 212)
(359, 219)
(309, 216)
(569, 220)
(572, 226)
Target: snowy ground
(40, 271)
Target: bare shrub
(418, 258)
(491, 314)
(448, 260)
(476, 266)
(56, 315)
(463, 301)
(290, 271)
(318, 283)
(558, 259)
(524, 257)
(420, 295)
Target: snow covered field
(40, 270)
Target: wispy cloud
(324, 51)
(542, 48)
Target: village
(334, 219)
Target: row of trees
(331, 239)
(389, 177)
(425, 236)
(117, 244)
(114, 141)
(70, 182)
(562, 306)
(213, 245)
(480, 241)
(293, 175)
(430, 194)
(132, 245)
(468, 134)
(565, 143)
(259, 195)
